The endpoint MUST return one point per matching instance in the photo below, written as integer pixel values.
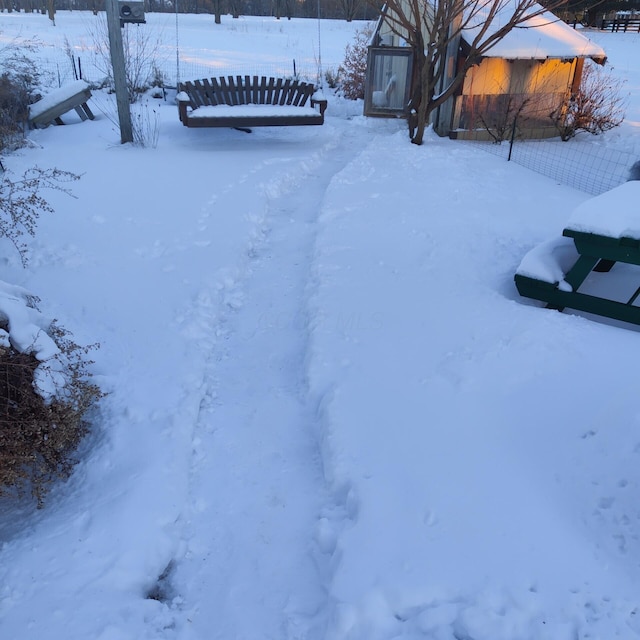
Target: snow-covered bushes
(45, 393)
(45, 387)
(332, 77)
(596, 107)
(18, 86)
(14, 102)
(352, 71)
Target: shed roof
(541, 37)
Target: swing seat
(246, 101)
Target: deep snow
(330, 416)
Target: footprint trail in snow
(256, 487)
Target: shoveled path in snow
(248, 564)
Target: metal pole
(119, 72)
(513, 135)
(320, 83)
(177, 52)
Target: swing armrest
(322, 104)
(183, 102)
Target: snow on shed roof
(541, 37)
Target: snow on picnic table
(550, 261)
(613, 214)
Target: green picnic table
(601, 232)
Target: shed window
(388, 81)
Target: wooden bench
(56, 103)
(249, 101)
(601, 233)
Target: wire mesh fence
(285, 68)
(549, 131)
(592, 168)
(61, 69)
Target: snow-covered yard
(330, 415)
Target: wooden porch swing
(247, 101)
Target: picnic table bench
(249, 101)
(56, 103)
(600, 233)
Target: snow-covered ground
(330, 415)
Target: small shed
(531, 72)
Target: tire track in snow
(247, 568)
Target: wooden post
(513, 136)
(119, 73)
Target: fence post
(513, 135)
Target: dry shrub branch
(22, 202)
(45, 384)
(38, 433)
(596, 107)
(353, 70)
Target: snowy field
(330, 415)
(260, 45)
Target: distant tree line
(333, 9)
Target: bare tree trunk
(421, 120)
(421, 94)
(350, 8)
